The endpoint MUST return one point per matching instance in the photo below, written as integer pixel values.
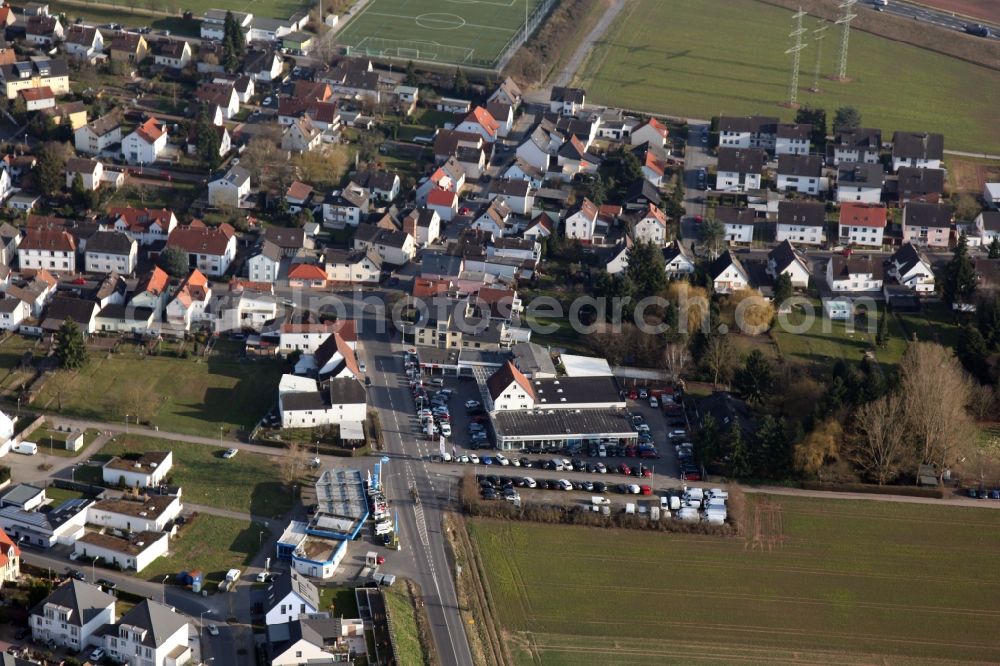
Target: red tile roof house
(308, 276)
(36, 99)
(146, 225)
(210, 249)
(479, 121)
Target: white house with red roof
(509, 389)
(539, 228)
(190, 302)
(862, 224)
(209, 249)
(49, 248)
(480, 121)
(581, 221)
(146, 225)
(652, 131)
(443, 202)
(10, 559)
(146, 143)
(307, 276)
(152, 291)
(450, 177)
(651, 227)
(653, 168)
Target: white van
(437, 381)
(653, 402)
(26, 448)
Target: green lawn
(457, 33)
(338, 601)
(194, 397)
(247, 482)
(821, 342)
(210, 543)
(41, 437)
(850, 582)
(700, 58)
(175, 195)
(934, 324)
(12, 350)
(403, 616)
(60, 495)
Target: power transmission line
(845, 23)
(796, 52)
(819, 34)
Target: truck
(597, 500)
(229, 583)
(383, 527)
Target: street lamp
(201, 623)
(126, 423)
(164, 584)
(220, 435)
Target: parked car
(229, 453)
(471, 404)
(99, 653)
(501, 460)
(624, 469)
(107, 584)
(564, 484)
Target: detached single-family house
(346, 207)
(503, 113)
(479, 121)
(43, 31)
(230, 189)
(854, 273)
(987, 226)
(861, 183)
(99, 135)
(151, 293)
(290, 596)
(394, 247)
(109, 251)
(83, 42)
(301, 136)
(923, 150)
(581, 221)
(785, 259)
(747, 132)
(911, 269)
(190, 302)
(792, 139)
(443, 202)
(175, 53)
(153, 630)
(916, 184)
(517, 193)
(264, 263)
(10, 555)
(36, 99)
(738, 223)
(862, 224)
(728, 274)
(927, 224)
(146, 143)
(991, 195)
(856, 145)
(382, 185)
(651, 131)
(567, 101)
(209, 249)
(424, 224)
(801, 221)
(507, 92)
(219, 95)
(740, 169)
(493, 217)
(800, 173)
(650, 226)
(677, 262)
(90, 172)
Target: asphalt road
(425, 560)
(925, 15)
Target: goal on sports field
(415, 50)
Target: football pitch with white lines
(458, 32)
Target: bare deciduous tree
(880, 448)
(676, 360)
(720, 359)
(293, 463)
(983, 401)
(137, 400)
(935, 393)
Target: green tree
(207, 141)
(174, 261)
(882, 336)
(77, 190)
(709, 443)
(739, 455)
(461, 82)
(973, 352)
(755, 380)
(994, 248)
(595, 190)
(960, 275)
(70, 348)
(612, 286)
(712, 234)
(816, 118)
(846, 117)
(19, 108)
(628, 171)
(234, 44)
(772, 452)
(646, 269)
(782, 289)
(411, 74)
(51, 167)
(988, 321)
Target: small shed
(837, 309)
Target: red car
(648, 453)
(647, 473)
(646, 490)
(624, 469)
(630, 452)
(633, 395)
(692, 476)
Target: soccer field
(458, 32)
(849, 582)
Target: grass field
(133, 12)
(247, 482)
(700, 58)
(852, 582)
(460, 32)
(195, 397)
(210, 543)
(822, 341)
(403, 616)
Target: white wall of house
(127, 561)
(288, 609)
(861, 235)
(848, 193)
(800, 234)
(105, 262)
(51, 626)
